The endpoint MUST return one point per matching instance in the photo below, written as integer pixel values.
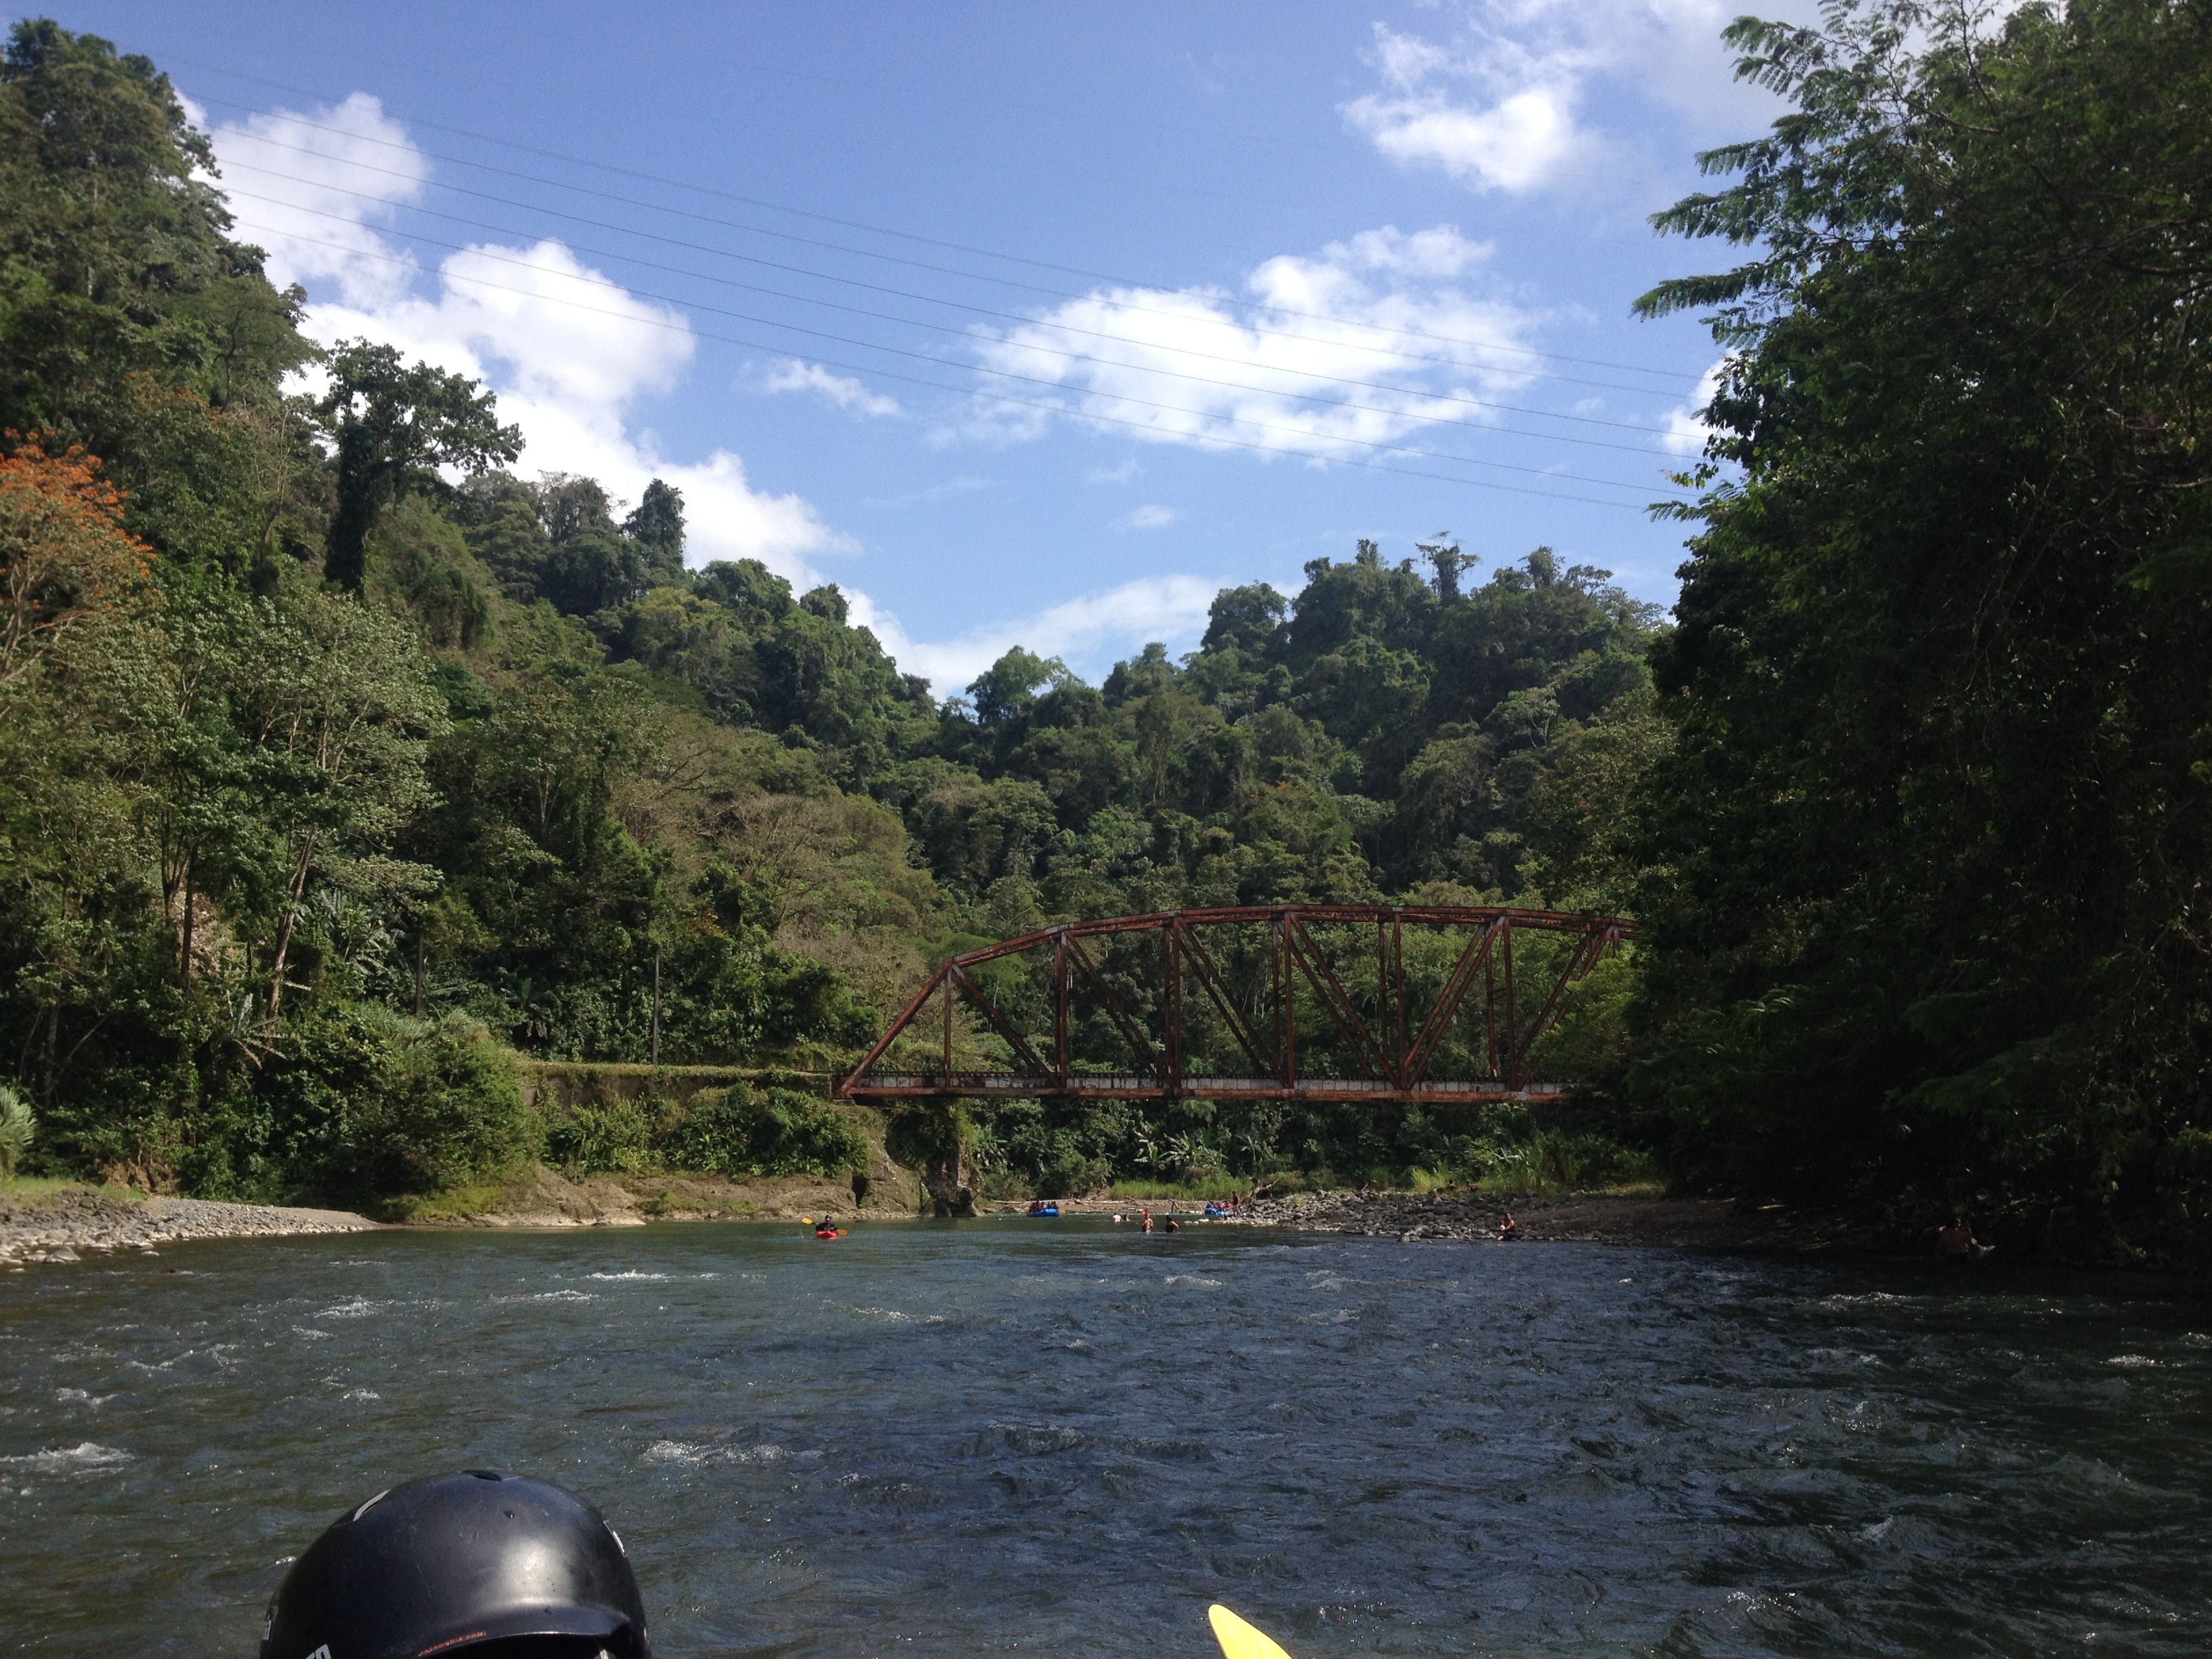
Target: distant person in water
(1508, 1229)
(1148, 1221)
(1173, 1226)
(1958, 1239)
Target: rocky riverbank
(64, 1226)
(1715, 1224)
(1709, 1223)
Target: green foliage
(774, 1132)
(391, 426)
(1590, 1043)
(606, 1136)
(445, 1109)
(113, 255)
(359, 1104)
(1930, 844)
(18, 1130)
(1550, 1162)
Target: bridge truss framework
(1393, 1049)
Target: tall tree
(392, 427)
(113, 250)
(657, 527)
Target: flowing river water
(943, 1439)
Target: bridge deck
(1131, 1086)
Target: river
(941, 1438)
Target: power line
(1032, 380)
(1060, 351)
(908, 293)
(1213, 438)
(917, 265)
(879, 287)
(854, 224)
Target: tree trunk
(184, 968)
(280, 958)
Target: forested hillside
(344, 757)
(341, 757)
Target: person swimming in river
(1173, 1226)
(1958, 1239)
(1508, 1229)
(1148, 1221)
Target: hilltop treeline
(326, 783)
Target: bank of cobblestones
(67, 1225)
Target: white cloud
(1491, 111)
(1151, 516)
(1686, 431)
(1514, 101)
(842, 390)
(311, 183)
(569, 350)
(1124, 473)
(1187, 367)
(1090, 630)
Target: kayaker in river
(476, 1563)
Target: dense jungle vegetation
(342, 759)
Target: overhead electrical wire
(1031, 379)
(870, 253)
(1059, 351)
(1057, 409)
(1675, 375)
(899, 292)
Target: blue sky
(1021, 324)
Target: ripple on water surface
(940, 1438)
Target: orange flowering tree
(64, 552)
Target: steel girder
(1393, 1049)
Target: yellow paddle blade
(1240, 1640)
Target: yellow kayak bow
(1240, 1640)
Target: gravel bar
(1405, 1216)
(61, 1227)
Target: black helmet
(460, 1564)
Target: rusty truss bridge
(1305, 1002)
